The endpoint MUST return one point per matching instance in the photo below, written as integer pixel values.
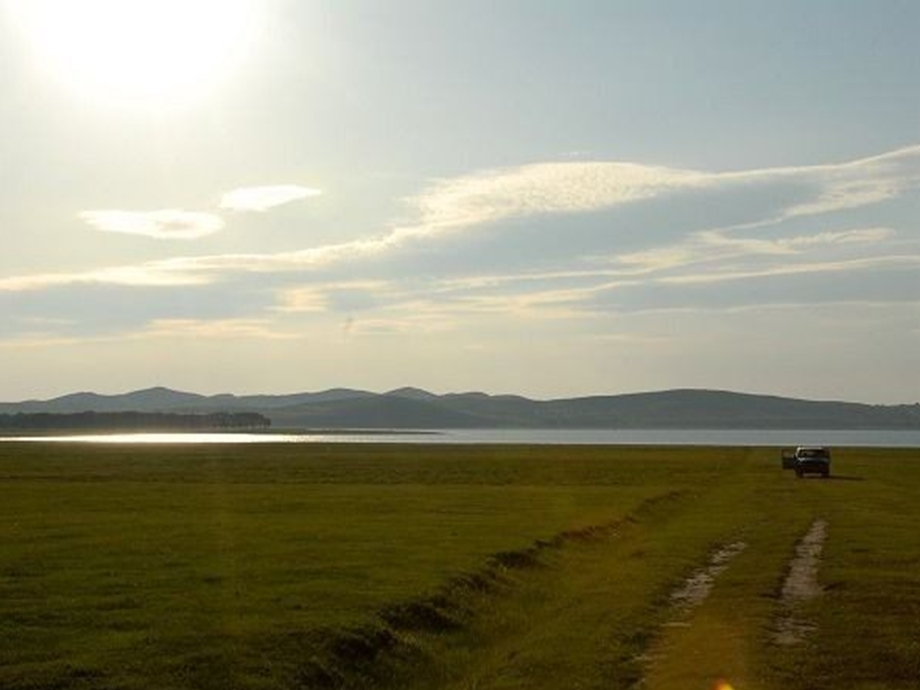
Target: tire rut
(692, 592)
(697, 587)
(801, 585)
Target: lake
(666, 437)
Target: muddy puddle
(691, 593)
(697, 587)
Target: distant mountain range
(413, 408)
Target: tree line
(145, 421)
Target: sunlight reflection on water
(665, 437)
(199, 438)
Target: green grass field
(297, 566)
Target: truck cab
(811, 460)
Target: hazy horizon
(242, 394)
(544, 199)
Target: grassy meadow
(462, 567)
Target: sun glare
(154, 53)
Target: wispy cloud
(862, 182)
(215, 328)
(152, 274)
(219, 329)
(569, 186)
(339, 296)
(405, 324)
(179, 224)
(849, 265)
(264, 198)
(713, 245)
(167, 224)
(450, 206)
(545, 188)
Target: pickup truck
(808, 460)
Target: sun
(146, 52)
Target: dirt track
(801, 585)
(697, 587)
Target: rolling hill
(413, 408)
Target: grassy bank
(284, 566)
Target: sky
(545, 198)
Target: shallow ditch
(388, 651)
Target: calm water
(691, 437)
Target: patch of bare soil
(697, 587)
(801, 585)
